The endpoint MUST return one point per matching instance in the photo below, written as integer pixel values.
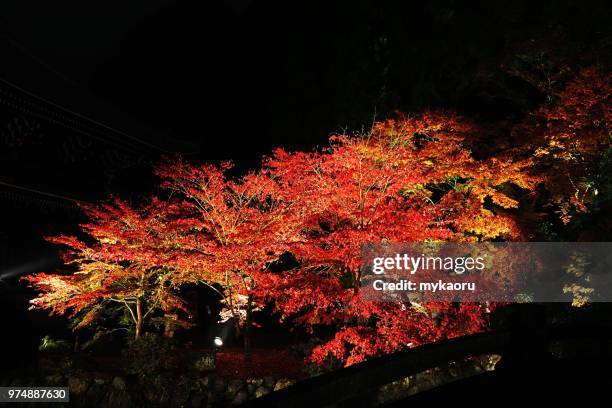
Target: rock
(413, 390)
(219, 385)
(240, 398)
(17, 382)
(420, 377)
(163, 400)
(234, 386)
(196, 401)
(114, 398)
(77, 385)
(205, 381)
(261, 391)
(282, 383)
(269, 381)
(150, 395)
(119, 383)
(95, 393)
(53, 379)
(490, 362)
(255, 381)
(206, 362)
(212, 397)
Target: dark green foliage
(49, 345)
(151, 354)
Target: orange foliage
(411, 179)
(124, 264)
(567, 138)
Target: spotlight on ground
(218, 341)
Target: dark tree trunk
(247, 329)
(170, 325)
(138, 319)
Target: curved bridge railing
(355, 384)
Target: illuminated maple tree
(225, 230)
(409, 180)
(568, 137)
(429, 177)
(121, 260)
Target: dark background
(93, 92)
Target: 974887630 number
(34, 394)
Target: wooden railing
(355, 385)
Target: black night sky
(93, 93)
(262, 74)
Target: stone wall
(208, 390)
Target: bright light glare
(42, 263)
(218, 341)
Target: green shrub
(51, 346)
(151, 354)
